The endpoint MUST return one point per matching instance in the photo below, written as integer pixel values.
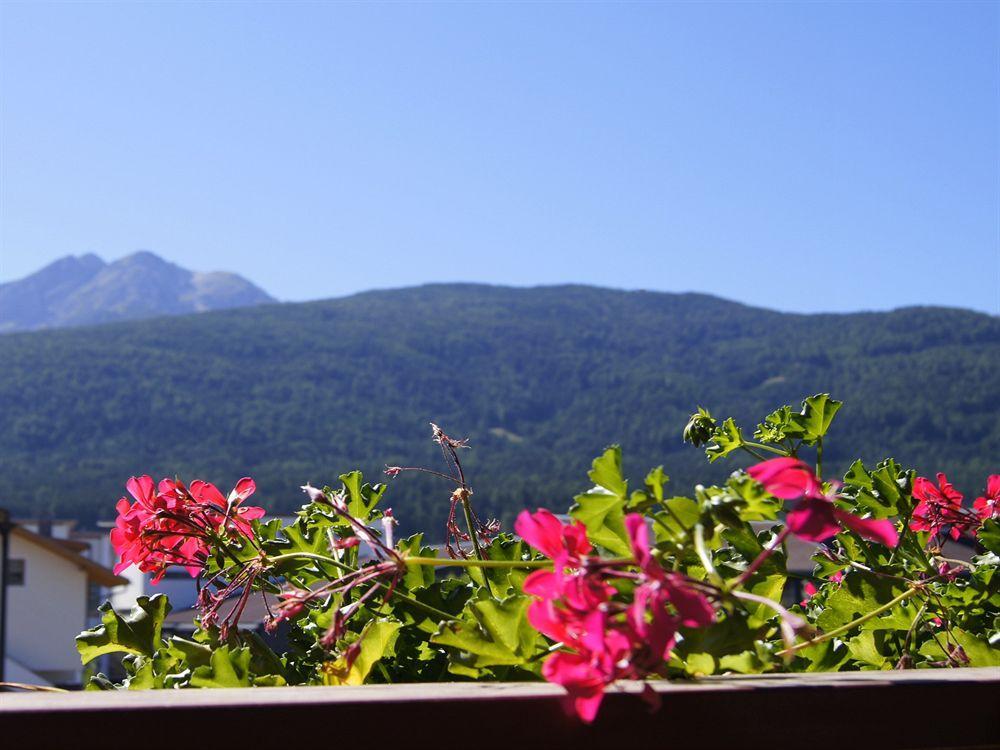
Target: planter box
(947, 708)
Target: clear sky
(802, 157)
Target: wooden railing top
(844, 710)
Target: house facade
(51, 587)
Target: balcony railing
(958, 708)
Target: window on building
(15, 572)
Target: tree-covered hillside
(539, 379)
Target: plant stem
(819, 458)
(467, 508)
(703, 554)
(763, 447)
(853, 624)
(433, 611)
(442, 562)
(759, 560)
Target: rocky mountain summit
(85, 290)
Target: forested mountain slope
(540, 379)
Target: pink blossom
(787, 478)
(566, 544)
(988, 506)
(815, 517)
(810, 591)
(939, 506)
(604, 640)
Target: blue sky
(802, 157)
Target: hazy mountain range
(82, 290)
(540, 379)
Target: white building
(51, 596)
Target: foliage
(541, 380)
(638, 584)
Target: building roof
(66, 549)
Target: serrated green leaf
(979, 651)
(378, 640)
(602, 513)
(491, 633)
(361, 498)
(813, 421)
(227, 668)
(863, 648)
(607, 472)
(138, 632)
(726, 439)
(858, 594)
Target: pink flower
(692, 606)
(605, 640)
(815, 518)
(988, 506)
(236, 516)
(566, 544)
(810, 591)
(939, 506)
(787, 478)
(173, 525)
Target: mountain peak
(82, 290)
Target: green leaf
(491, 633)
(607, 472)
(979, 651)
(362, 498)
(746, 662)
(138, 632)
(655, 481)
(602, 509)
(700, 664)
(863, 648)
(503, 581)
(772, 429)
(676, 521)
(859, 594)
(227, 668)
(378, 641)
(989, 536)
(726, 439)
(812, 423)
(882, 491)
(602, 514)
(416, 576)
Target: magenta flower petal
(882, 531)
(638, 535)
(813, 519)
(245, 488)
(787, 478)
(542, 530)
(692, 606)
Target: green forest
(540, 380)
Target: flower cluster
(940, 507)
(603, 639)
(173, 524)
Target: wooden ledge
(956, 708)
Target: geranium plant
(633, 583)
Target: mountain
(540, 379)
(82, 290)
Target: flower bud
(699, 428)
